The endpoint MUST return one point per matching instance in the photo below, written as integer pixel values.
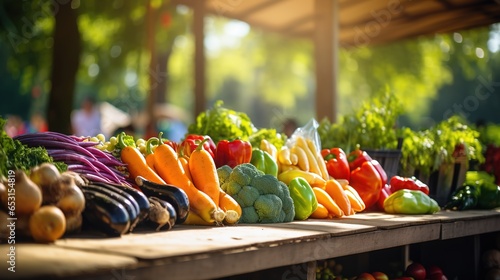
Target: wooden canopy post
(199, 56)
(326, 56)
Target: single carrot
(185, 164)
(325, 199)
(335, 190)
(137, 166)
(204, 172)
(170, 169)
(320, 213)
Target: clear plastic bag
(308, 131)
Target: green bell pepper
(406, 201)
(264, 162)
(304, 199)
(488, 192)
(463, 198)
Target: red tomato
(416, 270)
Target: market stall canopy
(348, 23)
(361, 21)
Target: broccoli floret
(267, 184)
(223, 173)
(240, 176)
(231, 187)
(249, 215)
(248, 195)
(268, 206)
(287, 203)
(263, 198)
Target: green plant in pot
(372, 127)
(439, 155)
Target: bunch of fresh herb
(222, 123)
(428, 149)
(372, 126)
(15, 155)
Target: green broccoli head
(267, 184)
(268, 207)
(263, 198)
(243, 174)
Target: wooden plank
(191, 252)
(326, 45)
(250, 259)
(199, 10)
(449, 216)
(49, 262)
(388, 221)
(311, 270)
(334, 227)
(189, 240)
(467, 227)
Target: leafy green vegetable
(490, 134)
(15, 155)
(427, 150)
(270, 134)
(222, 123)
(371, 126)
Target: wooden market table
(200, 252)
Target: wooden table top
(192, 252)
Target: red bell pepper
(385, 192)
(410, 183)
(380, 170)
(191, 142)
(336, 163)
(358, 156)
(367, 182)
(233, 153)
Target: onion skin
(28, 197)
(47, 224)
(44, 174)
(72, 201)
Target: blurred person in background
(289, 126)
(37, 123)
(87, 120)
(14, 126)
